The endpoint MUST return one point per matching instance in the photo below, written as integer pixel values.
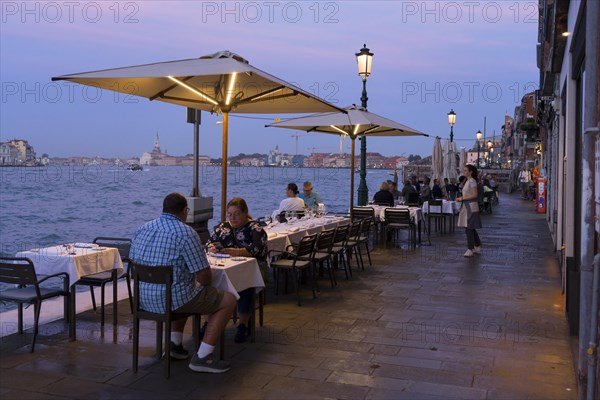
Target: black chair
(21, 272)
(296, 261)
(365, 229)
(102, 278)
(398, 219)
(159, 275)
(363, 212)
(413, 199)
(488, 200)
(352, 245)
(435, 213)
(338, 249)
(322, 253)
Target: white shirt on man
(291, 204)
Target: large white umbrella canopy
(353, 122)
(449, 153)
(437, 160)
(222, 82)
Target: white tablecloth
(85, 261)
(234, 276)
(288, 233)
(448, 207)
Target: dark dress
(384, 197)
(253, 238)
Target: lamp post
(364, 59)
(492, 157)
(489, 148)
(451, 121)
(478, 135)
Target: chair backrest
(122, 244)
(434, 207)
(397, 216)
(366, 225)
(355, 229)
(341, 234)
(17, 271)
(325, 240)
(306, 245)
(159, 275)
(362, 212)
(413, 199)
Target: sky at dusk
(475, 57)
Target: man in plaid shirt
(167, 240)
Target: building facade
(568, 113)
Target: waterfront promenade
(418, 324)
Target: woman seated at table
(384, 197)
(240, 236)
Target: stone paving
(418, 324)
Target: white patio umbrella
(449, 154)
(437, 160)
(353, 122)
(222, 82)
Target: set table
(77, 261)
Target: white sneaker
(477, 250)
(468, 253)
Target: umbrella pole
(352, 181)
(224, 166)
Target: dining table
(281, 235)
(449, 208)
(77, 260)
(416, 214)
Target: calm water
(59, 204)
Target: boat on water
(134, 167)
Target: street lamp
(478, 135)
(491, 157)
(364, 59)
(451, 121)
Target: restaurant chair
(159, 275)
(413, 200)
(365, 229)
(399, 219)
(102, 278)
(365, 212)
(338, 249)
(352, 245)
(488, 199)
(20, 272)
(435, 213)
(296, 261)
(322, 253)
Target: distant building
(157, 158)
(17, 152)
(274, 157)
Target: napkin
(271, 235)
(294, 229)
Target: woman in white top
(291, 202)
(469, 200)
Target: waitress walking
(469, 211)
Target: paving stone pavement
(417, 324)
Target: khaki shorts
(206, 302)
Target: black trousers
(472, 238)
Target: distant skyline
(477, 58)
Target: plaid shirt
(168, 241)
